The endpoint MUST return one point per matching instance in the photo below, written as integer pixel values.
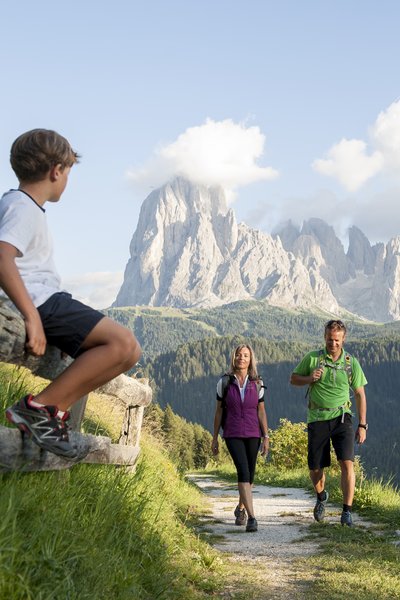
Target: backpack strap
(227, 379)
(321, 365)
(348, 367)
(260, 385)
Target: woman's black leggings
(244, 454)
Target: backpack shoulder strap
(260, 384)
(321, 357)
(226, 380)
(321, 365)
(348, 366)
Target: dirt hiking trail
(284, 516)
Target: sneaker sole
(19, 422)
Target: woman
(241, 412)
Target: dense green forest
(186, 380)
(161, 329)
(186, 351)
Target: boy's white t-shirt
(23, 224)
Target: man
(331, 373)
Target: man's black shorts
(67, 322)
(320, 433)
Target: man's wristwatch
(363, 426)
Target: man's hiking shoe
(346, 518)
(319, 508)
(241, 515)
(43, 425)
(252, 524)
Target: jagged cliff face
(189, 251)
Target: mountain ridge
(189, 251)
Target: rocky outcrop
(131, 394)
(189, 251)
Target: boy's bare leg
(110, 350)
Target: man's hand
(35, 338)
(361, 435)
(316, 374)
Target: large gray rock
(189, 251)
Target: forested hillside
(185, 351)
(162, 329)
(186, 379)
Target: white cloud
(98, 290)
(386, 135)
(375, 213)
(349, 162)
(215, 153)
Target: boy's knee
(130, 348)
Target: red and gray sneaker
(43, 425)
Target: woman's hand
(214, 447)
(265, 446)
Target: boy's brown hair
(35, 152)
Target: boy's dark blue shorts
(67, 322)
(320, 434)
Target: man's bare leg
(318, 479)
(348, 481)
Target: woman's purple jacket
(241, 418)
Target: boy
(102, 349)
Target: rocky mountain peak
(188, 250)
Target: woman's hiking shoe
(252, 524)
(43, 425)
(346, 518)
(241, 515)
(319, 508)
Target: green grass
(354, 563)
(102, 532)
(97, 532)
(358, 562)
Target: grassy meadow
(96, 532)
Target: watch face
(364, 426)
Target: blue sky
(308, 91)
